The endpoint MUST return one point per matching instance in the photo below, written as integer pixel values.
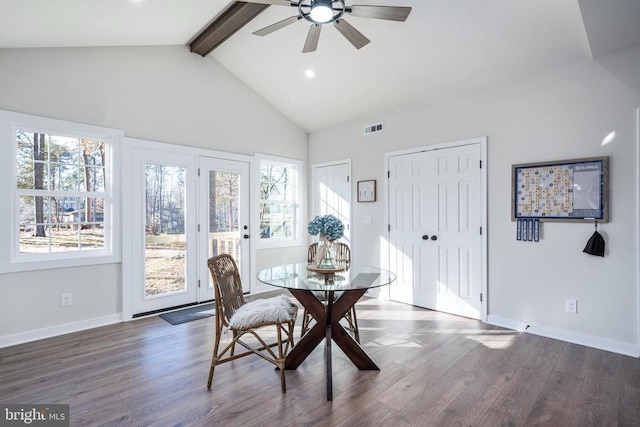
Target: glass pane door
(227, 213)
(164, 265)
(165, 237)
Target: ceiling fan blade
(275, 27)
(392, 13)
(276, 2)
(354, 36)
(311, 44)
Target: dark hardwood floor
(436, 369)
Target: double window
(62, 192)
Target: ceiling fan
(320, 12)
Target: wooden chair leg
(233, 348)
(213, 365)
(306, 319)
(280, 361)
(291, 339)
(354, 321)
(214, 360)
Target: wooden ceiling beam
(231, 20)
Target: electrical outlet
(66, 300)
(571, 305)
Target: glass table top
(300, 276)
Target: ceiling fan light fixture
(321, 11)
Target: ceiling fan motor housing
(309, 10)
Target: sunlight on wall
(332, 203)
(383, 260)
(384, 253)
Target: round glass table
(342, 288)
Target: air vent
(374, 128)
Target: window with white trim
(61, 192)
(279, 193)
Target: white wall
(164, 94)
(170, 95)
(559, 114)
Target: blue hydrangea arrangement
(327, 226)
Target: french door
(184, 209)
(435, 218)
(224, 217)
(163, 240)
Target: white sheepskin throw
(276, 309)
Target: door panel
(224, 216)
(458, 234)
(164, 267)
(409, 217)
(435, 213)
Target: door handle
(434, 237)
(246, 236)
(425, 237)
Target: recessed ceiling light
(309, 73)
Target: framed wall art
(367, 191)
(566, 190)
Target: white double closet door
(435, 237)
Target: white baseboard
(54, 331)
(564, 335)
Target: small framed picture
(367, 191)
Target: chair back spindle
(343, 253)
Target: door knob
(434, 237)
(246, 236)
(425, 237)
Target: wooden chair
(343, 253)
(245, 318)
(343, 257)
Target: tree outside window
(278, 200)
(60, 183)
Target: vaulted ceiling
(444, 47)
